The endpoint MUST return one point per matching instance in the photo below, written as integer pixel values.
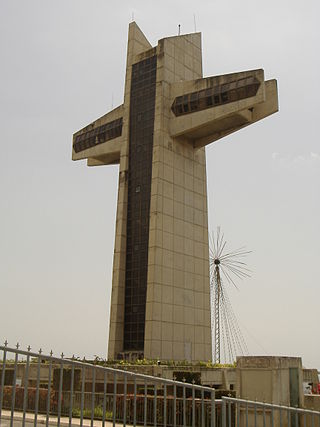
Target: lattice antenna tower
(225, 267)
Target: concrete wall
(312, 401)
(270, 379)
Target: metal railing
(246, 413)
(37, 388)
(43, 389)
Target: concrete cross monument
(160, 304)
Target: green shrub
(98, 413)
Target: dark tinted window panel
(98, 135)
(217, 95)
(224, 97)
(142, 107)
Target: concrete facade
(271, 379)
(161, 310)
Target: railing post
(13, 394)
(145, 403)
(193, 405)
(174, 403)
(25, 391)
(224, 412)
(238, 409)
(155, 406)
(202, 409)
(165, 405)
(247, 414)
(60, 391)
(114, 403)
(93, 403)
(184, 403)
(49, 391)
(213, 409)
(135, 402)
(3, 375)
(71, 393)
(83, 380)
(255, 414)
(125, 401)
(37, 390)
(229, 414)
(289, 417)
(104, 398)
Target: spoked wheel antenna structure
(225, 267)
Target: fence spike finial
(28, 348)
(62, 355)
(51, 353)
(17, 346)
(5, 343)
(40, 350)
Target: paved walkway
(41, 419)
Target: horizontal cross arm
(100, 141)
(205, 110)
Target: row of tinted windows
(216, 95)
(98, 135)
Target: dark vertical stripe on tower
(142, 107)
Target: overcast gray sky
(62, 66)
